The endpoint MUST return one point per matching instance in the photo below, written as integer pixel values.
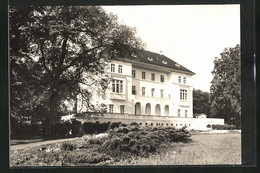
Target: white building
(150, 84)
(151, 89)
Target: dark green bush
(91, 128)
(141, 140)
(114, 125)
(67, 146)
(61, 130)
(134, 124)
(76, 127)
(223, 127)
(208, 126)
(84, 157)
(123, 125)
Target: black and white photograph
(125, 85)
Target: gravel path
(34, 144)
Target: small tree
(201, 103)
(226, 87)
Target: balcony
(117, 96)
(184, 102)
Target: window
(122, 109)
(133, 73)
(133, 90)
(183, 94)
(111, 108)
(169, 95)
(186, 113)
(143, 75)
(161, 93)
(179, 112)
(184, 80)
(162, 78)
(179, 80)
(112, 67)
(120, 68)
(143, 91)
(152, 92)
(153, 77)
(117, 86)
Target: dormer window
(177, 65)
(150, 59)
(164, 62)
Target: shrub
(85, 157)
(208, 126)
(134, 124)
(91, 128)
(140, 140)
(114, 125)
(223, 127)
(76, 128)
(67, 146)
(60, 130)
(123, 125)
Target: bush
(76, 128)
(67, 146)
(141, 140)
(223, 127)
(91, 128)
(84, 157)
(123, 125)
(61, 130)
(114, 125)
(134, 124)
(23, 130)
(208, 126)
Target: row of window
(120, 70)
(113, 68)
(167, 124)
(111, 109)
(183, 93)
(122, 110)
(144, 76)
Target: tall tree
(55, 50)
(201, 103)
(226, 86)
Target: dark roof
(160, 60)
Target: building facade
(150, 84)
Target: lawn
(204, 149)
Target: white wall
(170, 86)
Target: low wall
(144, 120)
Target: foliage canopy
(55, 50)
(226, 86)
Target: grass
(206, 149)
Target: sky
(192, 35)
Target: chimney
(161, 52)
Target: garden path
(34, 144)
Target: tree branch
(43, 60)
